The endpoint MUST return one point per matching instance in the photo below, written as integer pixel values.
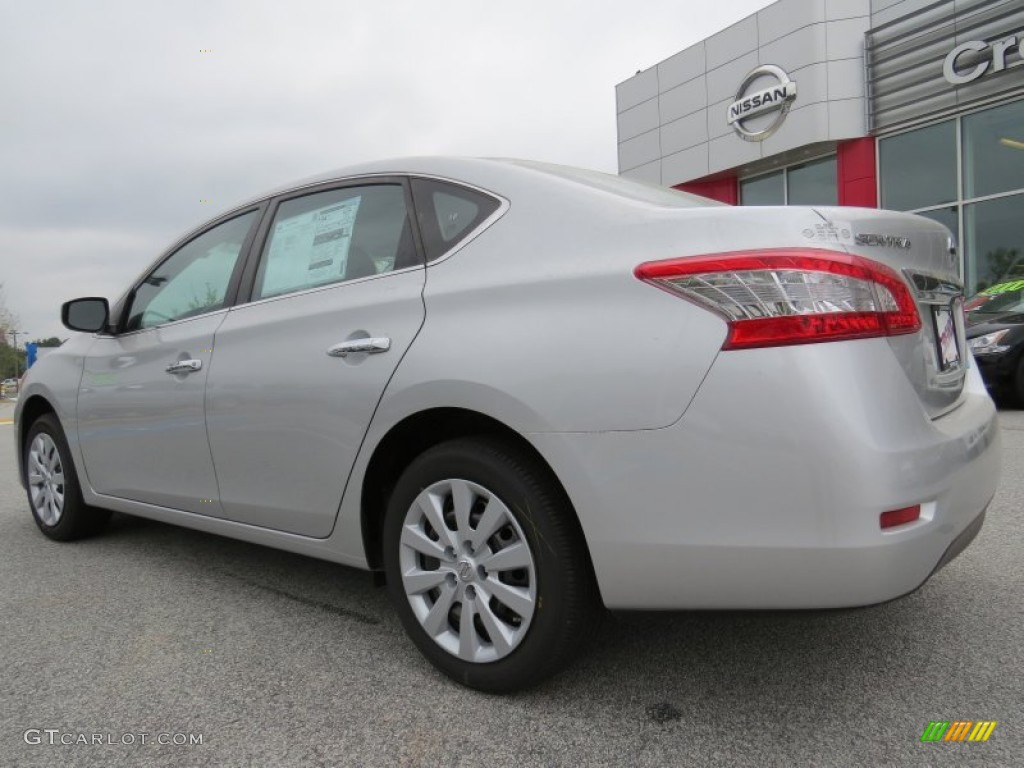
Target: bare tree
(8, 320)
(11, 359)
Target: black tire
(566, 599)
(76, 519)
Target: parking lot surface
(159, 634)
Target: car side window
(448, 213)
(193, 280)
(336, 235)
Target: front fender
(52, 385)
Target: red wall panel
(725, 189)
(855, 172)
(855, 176)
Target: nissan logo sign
(777, 98)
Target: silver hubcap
(468, 571)
(46, 479)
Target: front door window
(193, 280)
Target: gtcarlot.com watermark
(57, 737)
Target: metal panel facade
(673, 117)
(941, 58)
(862, 67)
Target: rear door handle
(185, 366)
(371, 345)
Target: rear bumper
(961, 542)
(767, 493)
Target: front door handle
(185, 366)
(371, 345)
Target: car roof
(449, 167)
(498, 175)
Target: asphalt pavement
(152, 633)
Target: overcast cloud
(114, 124)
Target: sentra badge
(886, 241)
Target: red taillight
(788, 296)
(900, 516)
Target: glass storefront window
(763, 190)
(813, 183)
(995, 241)
(918, 168)
(993, 150)
(918, 172)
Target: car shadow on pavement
(811, 666)
(663, 670)
(653, 664)
(318, 584)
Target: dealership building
(911, 105)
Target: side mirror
(89, 315)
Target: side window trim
(247, 283)
(231, 297)
(123, 306)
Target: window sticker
(332, 235)
(310, 248)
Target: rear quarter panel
(544, 307)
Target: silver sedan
(523, 393)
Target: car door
(336, 299)
(141, 417)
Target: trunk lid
(935, 359)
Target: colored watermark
(958, 730)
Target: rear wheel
(486, 565)
(53, 491)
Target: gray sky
(114, 126)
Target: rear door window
(336, 235)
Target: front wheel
(486, 565)
(53, 491)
